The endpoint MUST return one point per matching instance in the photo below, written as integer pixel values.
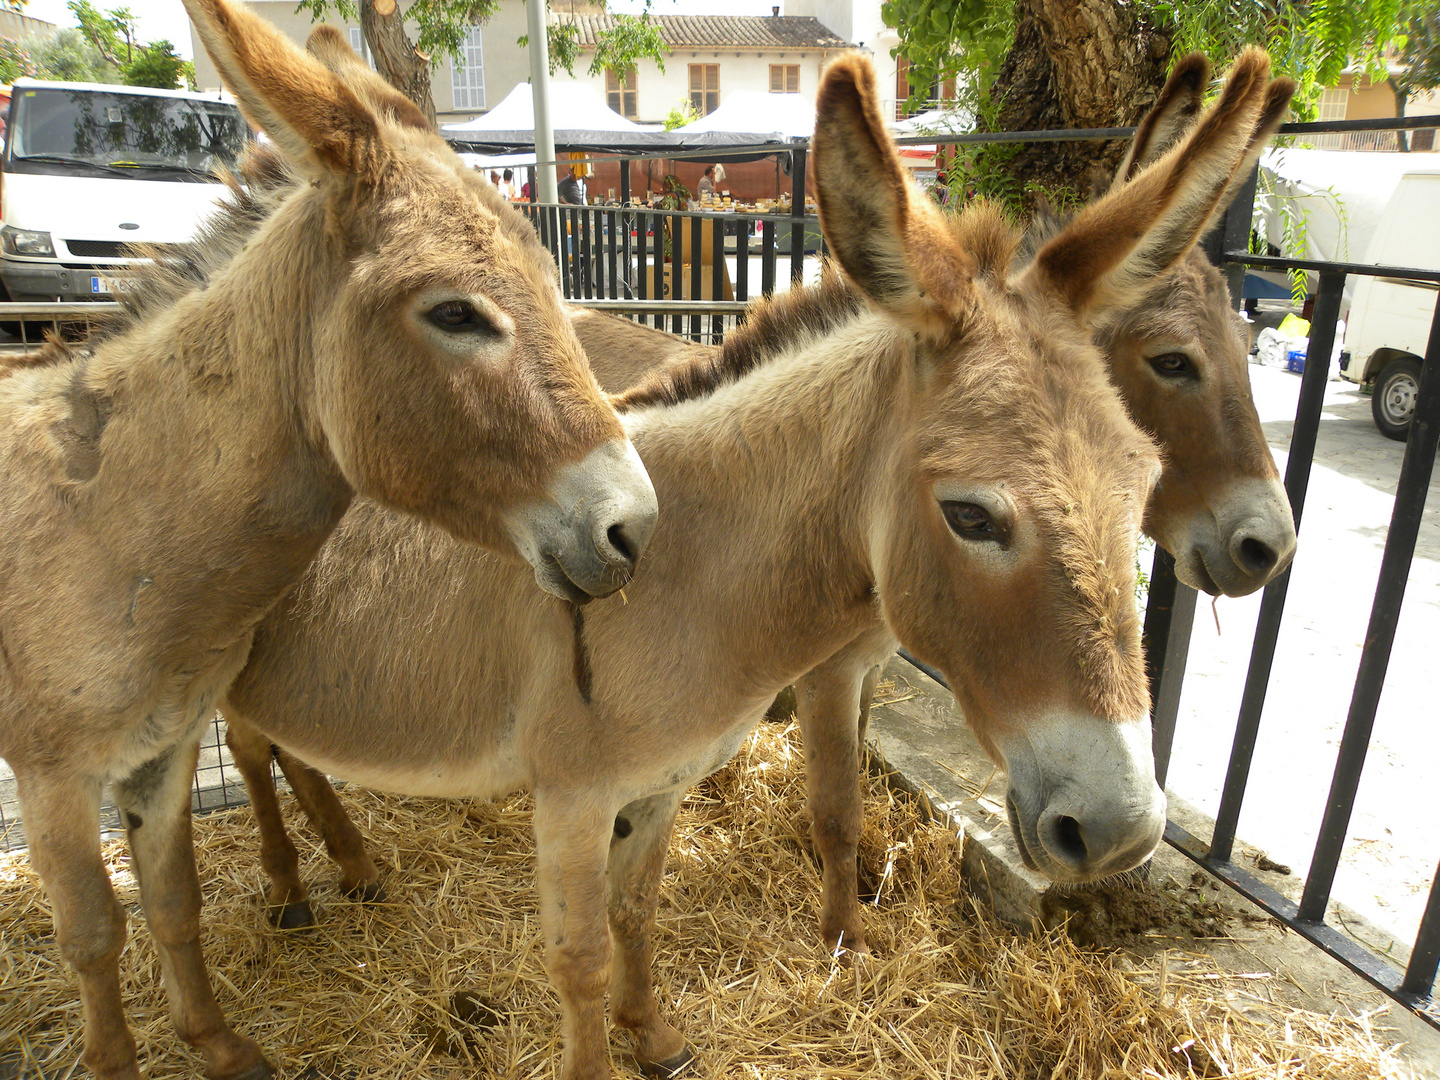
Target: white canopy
(573, 107)
(936, 122)
(791, 116)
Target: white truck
(1389, 320)
(89, 169)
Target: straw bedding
(445, 979)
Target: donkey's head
(1180, 358)
(1007, 557)
(445, 377)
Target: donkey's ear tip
(1282, 89)
(1253, 62)
(323, 36)
(1193, 69)
(851, 67)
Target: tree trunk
(1076, 64)
(1402, 95)
(395, 57)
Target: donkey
(929, 446)
(379, 334)
(1178, 358)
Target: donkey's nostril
(620, 542)
(1069, 840)
(1255, 556)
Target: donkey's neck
(209, 456)
(770, 488)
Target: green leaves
(113, 34)
(633, 37)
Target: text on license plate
(107, 284)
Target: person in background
(942, 187)
(707, 182)
(572, 189)
(508, 181)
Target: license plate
(109, 284)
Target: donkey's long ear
(1277, 107)
(1175, 109)
(314, 119)
(891, 240)
(1117, 246)
(328, 46)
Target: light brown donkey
(930, 445)
(378, 333)
(1178, 356)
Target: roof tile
(769, 32)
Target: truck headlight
(26, 242)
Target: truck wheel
(1392, 403)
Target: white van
(90, 168)
(1389, 321)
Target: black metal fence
(641, 259)
(1171, 612)
(652, 264)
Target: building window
(784, 78)
(357, 42)
(467, 80)
(620, 92)
(1333, 102)
(704, 88)
(927, 97)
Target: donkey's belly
(486, 777)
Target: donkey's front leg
(637, 861)
(832, 705)
(572, 835)
(155, 804)
(62, 819)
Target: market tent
(759, 116)
(932, 122)
(580, 119)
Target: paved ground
(1394, 843)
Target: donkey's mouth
(550, 575)
(1012, 815)
(1196, 574)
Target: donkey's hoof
(678, 1064)
(293, 918)
(367, 892)
(259, 1071)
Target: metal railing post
(1169, 618)
(1272, 604)
(1410, 494)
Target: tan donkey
(929, 446)
(379, 333)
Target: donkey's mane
(771, 326)
(170, 275)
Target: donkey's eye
(1172, 364)
(460, 317)
(971, 522)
